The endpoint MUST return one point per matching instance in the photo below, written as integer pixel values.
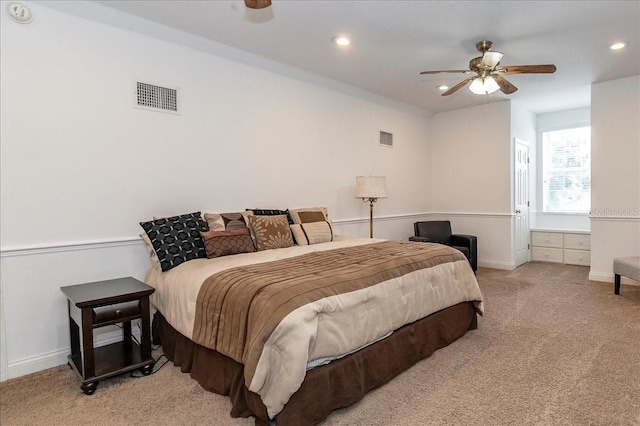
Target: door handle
(518, 211)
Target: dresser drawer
(577, 257)
(546, 254)
(546, 239)
(577, 241)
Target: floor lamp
(370, 188)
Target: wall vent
(157, 98)
(386, 139)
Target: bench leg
(616, 288)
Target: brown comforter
(277, 316)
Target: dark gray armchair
(439, 231)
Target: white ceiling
(392, 41)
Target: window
(566, 175)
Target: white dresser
(561, 246)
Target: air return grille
(157, 98)
(386, 139)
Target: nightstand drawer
(115, 313)
(577, 257)
(546, 239)
(577, 241)
(545, 254)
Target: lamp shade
(371, 187)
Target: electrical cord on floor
(136, 374)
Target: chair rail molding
(69, 246)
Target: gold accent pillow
(270, 232)
(311, 214)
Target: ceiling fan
(257, 4)
(487, 73)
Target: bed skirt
(326, 388)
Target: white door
(521, 197)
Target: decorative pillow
(176, 239)
(224, 243)
(271, 232)
(312, 233)
(313, 214)
(226, 221)
(268, 212)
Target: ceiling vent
(386, 139)
(157, 98)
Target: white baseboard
(494, 264)
(608, 277)
(59, 357)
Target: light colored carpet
(552, 349)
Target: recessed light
(443, 87)
(618, 45)
(341, 41)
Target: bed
(291, 334)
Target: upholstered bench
(625, 266)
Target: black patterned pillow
(271, 212)
(177, 239)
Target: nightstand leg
(145, 333)
(126, 331)
(89, 388)
(88, 360)
(74, 335)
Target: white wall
(557, 120)
(615, 174)
(80, 166)
(471, 177)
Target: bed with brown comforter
(291, 334)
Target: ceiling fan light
(490, 85)
(476, 86)
(483, 85)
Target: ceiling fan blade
(527, 69)
(446, 72)
(491, 59)
(457, 86)
(257, 4)
(506, 87)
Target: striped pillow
(312, 233)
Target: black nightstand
(103, 303)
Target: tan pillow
(224, 243)
(312, 233)
(149, 246)
(270, 232)
(312, 214)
